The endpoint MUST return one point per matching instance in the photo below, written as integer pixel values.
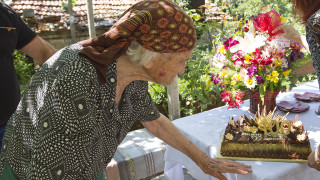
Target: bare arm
(39, 50)
(313, 159)
(289, 32)
(166, 131)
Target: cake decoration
(229, 136)
(266, 135)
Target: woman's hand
(166, 131)
(289, 32)
(313, 161)
(215, 167)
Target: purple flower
(259, 80)
(251, 70)
(296, 55)
(215, 79)
(251, 18)
(229, 43)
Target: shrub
(24, 68)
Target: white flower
(219, 61)
(250, 82)
(280, 43)
(248, 43)
(284, 63)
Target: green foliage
(24, 67)
(195, 94)
(246, 8)
(159, 96)
(306, 78)
(65, 5)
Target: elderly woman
(81, 103)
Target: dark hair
(305, 8)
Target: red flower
(225, 96)
(239, 95)
(233, 105)
(266, 61)
(238, 58)
(267, 21)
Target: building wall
(62, 38)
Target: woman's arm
(289, 32)
(164, 129)
(313, 159)
(39, 49)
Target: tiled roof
(214, 13)
(105, 12)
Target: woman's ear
(149, 64)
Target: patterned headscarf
(158, 25)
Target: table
(139, 156)
(205, 130)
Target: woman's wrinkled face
(165, 67)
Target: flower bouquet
(256, 61)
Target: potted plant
(255, 61)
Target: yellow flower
(233, 82)
(205, 6)
(223, 74)
(277, 63)
(287, 72)
(222, 49)
(229, 136)
(268, 78)
(283, 19)
(275, 74)
(224, 83)
(274, 78)
(247, 59)
(237, 77)
(250, 81)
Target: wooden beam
(71, 19)
(92, 30)
(173, 100)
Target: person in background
(289, 32)
(15, 34)
(82, 102)
(309, 13)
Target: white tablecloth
(205, 130)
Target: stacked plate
(307, 96)
(295, 107)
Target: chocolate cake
(266, 136)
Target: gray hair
(140, 55)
